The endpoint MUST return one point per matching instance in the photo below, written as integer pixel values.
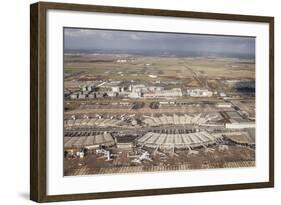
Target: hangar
(91, 141)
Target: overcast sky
(110, 40)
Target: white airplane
(106, 154)
(142, 157)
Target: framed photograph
(133, 102)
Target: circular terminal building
(176, 141)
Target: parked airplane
(106, 154)
(142, 157)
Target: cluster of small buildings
(132, 89)
(125, 90)
(91, 92)
(146, 91)
(83, 93)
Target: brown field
(106, 67)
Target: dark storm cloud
(110, 40)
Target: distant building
(121, 61)
(87, 88)
(115, 89)
(124, 103)
(66, 93)
(199, 93)
(175, 92)
(134, 95)
(74, 96)
(99, 94)
(155, 88)
(240, 125)
(85, 92)
(223, 105)
(139, 88)
(81, 96)
(222, 94)
(92, 95)
(84, 88)
(111, 94)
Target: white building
(81, 96)
(139, 88)
(74, 96)
(222, 94)
(175, 92)
(121, 61)
(134, 95)
(155, 88)
(115, 89)
(223, 105)
(199, 92)
(240, 125)
(87, 88)
(111, 94)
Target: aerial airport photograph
(146, 101)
